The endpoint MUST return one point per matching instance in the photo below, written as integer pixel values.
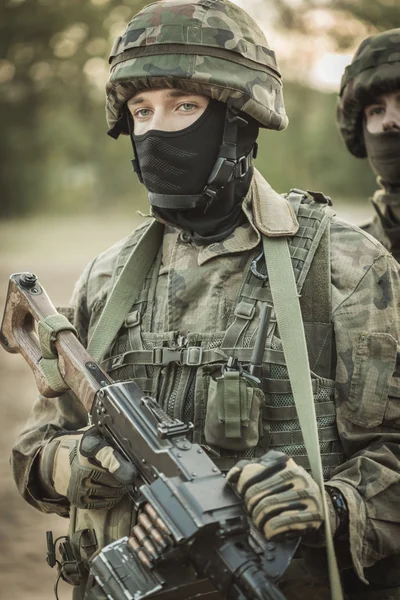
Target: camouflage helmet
(375, 69)
(209, 47)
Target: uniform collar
(273, 214)
(267, 212)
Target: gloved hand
(82, 467)
(280, 496)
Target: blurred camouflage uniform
(375, 70)
(200, 305)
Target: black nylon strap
(176, 202)
(135, 161)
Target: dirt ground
(56, 250)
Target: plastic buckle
(194, 355)
(132, 319)
(222, 171)
(165, 356)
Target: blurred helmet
(209, 47)
(375, 70)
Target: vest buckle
(191, 356)
(194, 355)
(164, 356)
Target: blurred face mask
(383, 150)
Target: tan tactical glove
(280, 496)
(83, 468)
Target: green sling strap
(47, 332)
(125, 291)
(291, 331)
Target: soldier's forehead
(163, 92)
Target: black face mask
(383, 150)
(180, 162)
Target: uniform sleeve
(367, 323)
(48, 416)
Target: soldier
(191, 82)
(368, 114)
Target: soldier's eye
(187, 106)
(142, 113)
(375, 109)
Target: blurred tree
(341, 20)
(52, 73)
(309, 154)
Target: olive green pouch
(233, 415)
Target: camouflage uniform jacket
(383, 226)
(196, 289)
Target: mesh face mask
(177, 167)
(180, 162)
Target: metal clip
(254, 269)
(242, 164)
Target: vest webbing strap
(125, 291)
(291, 331)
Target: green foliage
(52, 74)
(310, 154)
(348, 18)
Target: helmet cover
(374, 70)
(208, 47)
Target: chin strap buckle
(211, 193)
(222, 171)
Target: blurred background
(67, 190)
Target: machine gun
(218, 547)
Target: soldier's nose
(391, 119)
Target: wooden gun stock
(27, 303)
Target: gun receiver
(209, 525)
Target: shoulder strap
(125, 291)
(291, 330)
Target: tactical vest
(180, 371)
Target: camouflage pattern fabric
(383, 225)
(209, 47)
(375, 69)
(202, 284)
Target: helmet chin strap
(228, 167)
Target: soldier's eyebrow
(136, 100)
(178, 93)
(171, 94)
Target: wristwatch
(340, 505)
